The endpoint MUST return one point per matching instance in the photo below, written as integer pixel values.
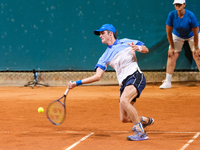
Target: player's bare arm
(94, 78)
(99, 73)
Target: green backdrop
(58, 34)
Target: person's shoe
(138, 136)
(151, 121)
(165, 85)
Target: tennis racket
(56, 111)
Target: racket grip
(66, 91)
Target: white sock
(143, 121)
(168, 77)
(139, 127)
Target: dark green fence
(58, 34)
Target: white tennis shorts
(178, 43)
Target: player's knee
(123, 102)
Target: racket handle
(66, 91)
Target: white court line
(117, 132)
(85, 132)
(85, 137)
(190, 141)
(123, 132)
(161, 132)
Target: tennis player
(181, 26)
(121, 56)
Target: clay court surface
(92, 121)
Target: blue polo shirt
(182, 27)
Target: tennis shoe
(151, 121)
(138, 136)
(165, 85)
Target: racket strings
(56, 112)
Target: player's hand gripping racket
(56, 110)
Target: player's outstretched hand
(71, 85)
(134, 47)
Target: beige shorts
(178, 43)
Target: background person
(181, 26)
(121, 56)
(35, 76)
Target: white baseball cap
(179, 1)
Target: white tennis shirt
(121, 58)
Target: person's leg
(171, 64)
(131, 89)
(197, 59)
(128, 113)
(146, 121)
(195, 53)
(124, 116)
(171, 61)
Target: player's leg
(128, 113)
(123, 115)
(146, 121)
(131, 89)
(127, 109)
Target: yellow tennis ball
(40, 110)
